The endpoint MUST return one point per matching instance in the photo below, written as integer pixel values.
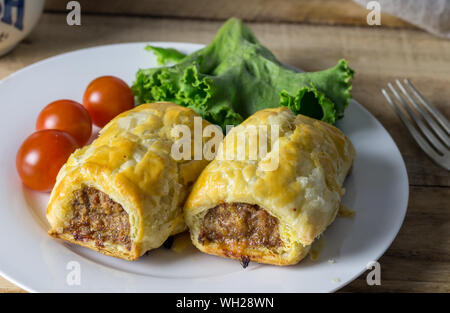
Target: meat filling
(240, 223)
(97, 217)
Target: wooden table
(419, 258)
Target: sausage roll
(123, 194)
(242, 208)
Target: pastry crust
(131, 162)
(303, 192)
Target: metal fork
(431, 129)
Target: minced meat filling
(97, 217)
(242, 223)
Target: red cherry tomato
(42, 155)
(106, 97)
(69, 116)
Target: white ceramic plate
(377, 190)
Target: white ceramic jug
(17, 19)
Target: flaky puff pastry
(131, 162)
(303, 192)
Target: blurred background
(343, 12)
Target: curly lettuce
(166, 55)
(235, 76)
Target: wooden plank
(377, 55)
(343, 12)
(8, 287)
(419, 258)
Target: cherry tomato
(69, 116)
(41, 156)
(105, 97)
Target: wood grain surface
(419, 258)
(343, 12)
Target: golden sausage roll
(123, 194)
(246, 208)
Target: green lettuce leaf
(166, 55)
(235, 76)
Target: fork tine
(416, 135)
(436, 114)
(443, 136)
(425, 131)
